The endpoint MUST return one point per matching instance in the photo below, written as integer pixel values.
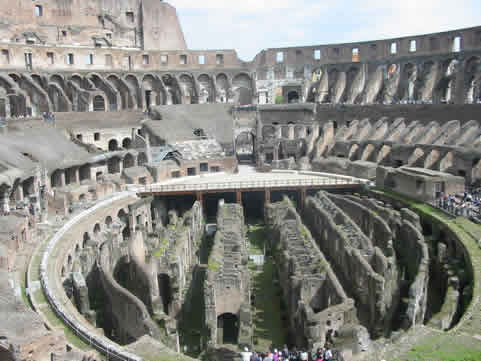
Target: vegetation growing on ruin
(463, 342)
(213, 265)
(162, 249)
(267, 311)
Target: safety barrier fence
(277, 183)
(111, 350)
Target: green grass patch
(40, 297)
(256, 236)
(444, 347)
(162, 249)
(268, 325)
(51, 317)
(213, 265)
(455, 345)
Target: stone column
(5, 201)
(267, 196)
(278, 131)
(19, 192)
(302, 198)
(276, 153)
(62, 177)
(76, 175)
(238, 196)
(303, 132)
(291, 131)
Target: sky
(249, 26)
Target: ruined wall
(317, 305)
(131, 315)
(147, 24)
(174, 253)
(352, 253)
(226, 289)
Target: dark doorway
(148, 99)
(113, 145)
(293, 97)
(211, 202)
(253, 203)
(245, 148)
(164, 291)
(99, 104)
(228, 328)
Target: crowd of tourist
(284, 354)
(465, 205)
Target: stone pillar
(275, 155)
(278, 131)
(5, 201)
(62, 177)
(267, 196)
(302, 132)
(19, 192)
(121, 166)
(302, 198)
(200, 198)
(238, 197)
(76, 175)
(291, 131)
(148, 150)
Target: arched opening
(56, 179)
(77, 250)
(141, 159)
(99, 103)
(126, 143)
(84, 172)
(113, 165)
(268, 132)
(113, 145)
(108, 221)
(227, 328)
(82, 197)
(86, 238)
(122, 216)
(243, 96)
(126, 233)
(96, 229)
(165, 291)
(244, 145)
(293, 97)
(129, 161)
(353, 152)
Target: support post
(238, 197)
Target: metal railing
(277, 183)
(102, 344)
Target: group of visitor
(321, 354)
(466, 204)
(48, 117)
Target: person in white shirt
(246, 355)
(304, 356)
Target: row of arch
(26, 94)
(451, 80)
(92, 238)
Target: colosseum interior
(163, 204)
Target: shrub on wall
(279, 99)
